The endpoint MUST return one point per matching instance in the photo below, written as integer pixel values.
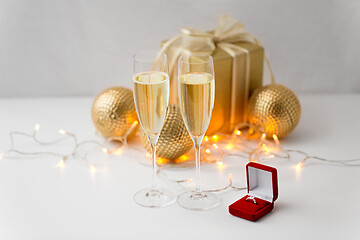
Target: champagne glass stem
(197, 151)
(155, 185)
(197, 144)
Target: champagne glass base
(154, 198)
(198, 200)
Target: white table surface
(41, 201)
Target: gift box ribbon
(227, 32)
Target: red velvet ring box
(262, 186)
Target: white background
(78, 48)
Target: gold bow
(227, 32)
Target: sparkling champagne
(151, 91)
(197, 93)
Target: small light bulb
(267, 150)
(37, 127)
(271, 156)
(298, 166)
(276, 139)
(92, 168)
(105, 150)
(263, 136)
(61, 163)
(215, 137)
(220, 164)
(230, 177)
(215, 146)
(62, 131)
(230, 146)
(207, 151)
(117, 151)
(206, 138)
(238, 132)
(133, 125)
(148, 155)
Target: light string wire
(264, 148)
(75, 150)
(248, 141)
(280, 152)
(179, 182)
(64, 157)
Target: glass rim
(142, 83)
(148, 55)
(209, 60)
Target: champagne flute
(196, 85)
(151, 95)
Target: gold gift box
(238, 62)
(225, 115)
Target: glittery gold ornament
(113, 111)
(275, 109)
(174, 139)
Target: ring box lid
(262, 181)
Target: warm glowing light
(207, 151)
(135, 123)
(117, 151)
(271, 156)
(61, 163)
(148, 155)
(276, 139)
(230, 177)
(263, 136)
(298, 166)
(267, 150)
(182, 158)
(130, 130)
(238, 132)
(105, 150)
(92, 168)
(161, 161)
(62, 131)
(206, 138)
(215, 137)
(37, 127)
(251, 131)
(229, 146)
(220, 164)
(215, 146)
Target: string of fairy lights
(76, 145)
(63, 156)
(247, 142)
(263, 148)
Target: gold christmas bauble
(113, 111)
(174, 139)
(275, 109)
